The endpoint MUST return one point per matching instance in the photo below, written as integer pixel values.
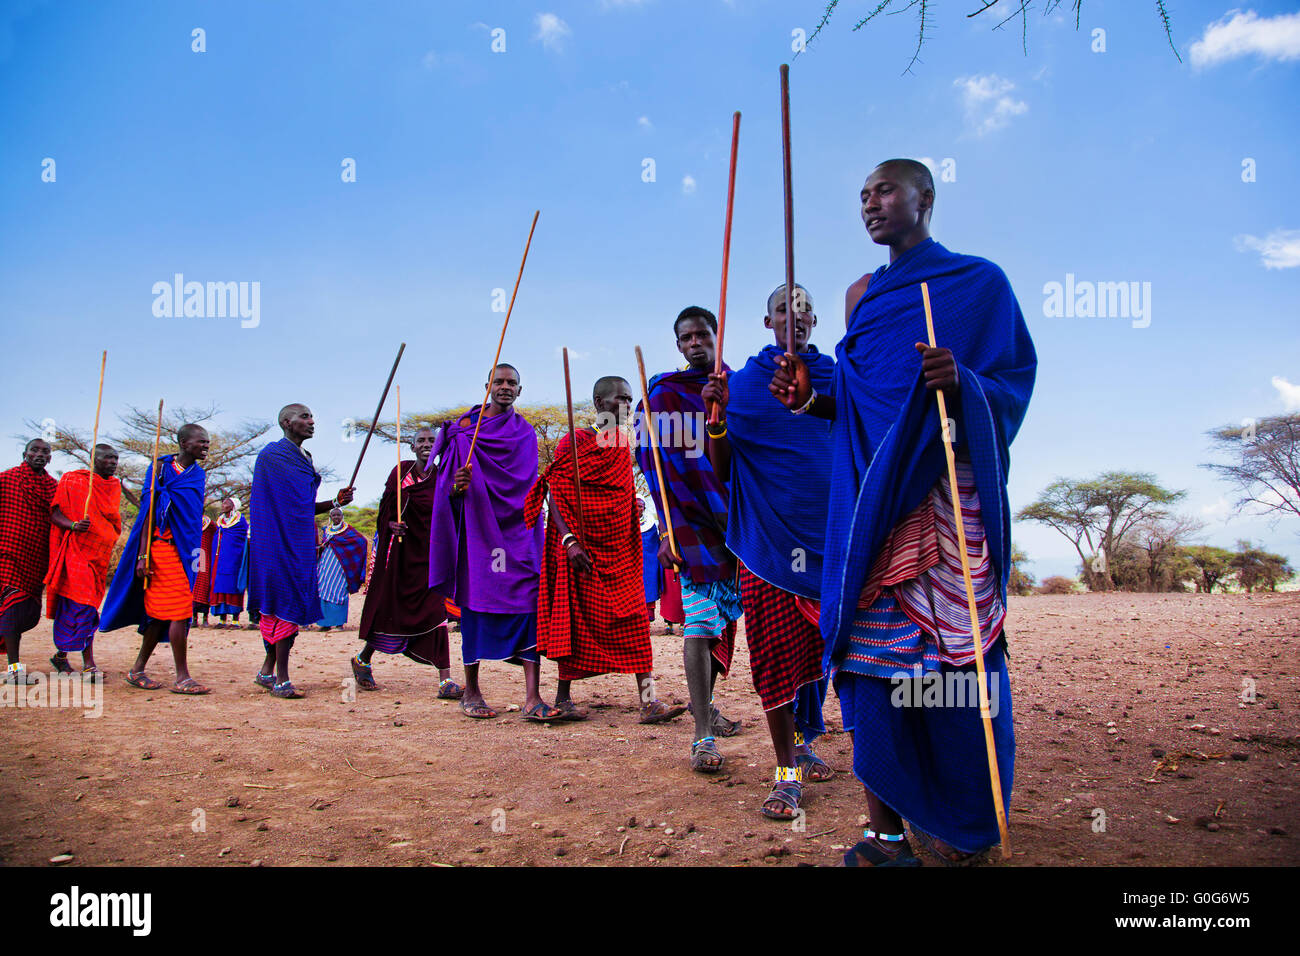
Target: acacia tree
(1213, 566)
(229, 465)
(1019, 581)
(1257, 568)
(1096, 515)
(1014, 8)
(1264, 465)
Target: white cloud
(1280, 249)
(1217, 511)
(1290, 394)
(430, 60)
(644, 123)
(688, 184)
(1243, 34)
(551, 31)
(988, 103)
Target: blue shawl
(780, 476)
(229, 568)
(282, 555)
(887, 449)
(179, 509)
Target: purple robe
(481, 555)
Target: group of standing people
(802, 492)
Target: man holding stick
(282, 555)
(591, 607)
(894, 612)
(696, 501)
(25, 495)
(79, 552)
(402, 614)
(152, 585)
(778, 468)
(482, 554)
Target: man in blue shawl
(153, 592)
(894, 613)
(282, 554)
(779, 468)
(482, 554)
(696, 499)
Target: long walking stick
(716, 413)
(573, 443)
(352, 482)
(399, 457)
(90, 485)
(985, 716)
(654, 450)
(789, 207)
(469, 459)
(153, 485)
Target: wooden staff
(94, 440)
(716, 413)
(153, 484)
(573, 443)
(985, 716)
(789, 208)
(375, 420)
(654, 450)
(469, 459)
(399, 457)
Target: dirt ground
(1129, 713)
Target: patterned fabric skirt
(333, 614)
(74, 624)
(275, 630)
(711, 611)
(19, 612)
(167, 598)
(432, 647)
(497, 637)
(785, 650)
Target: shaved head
(187, 431)
(779, 291)
(607, 384)
(289, 411)
(914, 171)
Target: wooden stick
(94, 440)
(153, 484)
(654, 450)
(573, 442)
(352, 482)
(716, 412)
(487, 392)
(399, 457)
(789, 208)
(985, 716)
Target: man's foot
(873, 851)
(570, 711)
(60, 662)
(142, 680)
(542, 713)
(264, 681)
(814, 768)
(946, 854)
(363, 674)
(783, 802)
(286, 690)
(705, 756)
(657, 712)
(721, 727)
(92, 673)
(448, 689)
(190, 687)
(477, 708)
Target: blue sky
(225, 165)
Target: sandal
(815, 769)
(570, 711)
(785, 795)
(721, 727)
(701, 751)
(950, 856)
(657, 712)
(540, 713)
(868, 850)
(265, 681)
(92, 673)
(479, 711)
(448, 689)
(61, 665)
(142, 681)
(363, 675)
(286, 691)
(190, 687)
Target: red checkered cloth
(592, 623)
(25, 497)
(201, 592)
(785, 650)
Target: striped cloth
(711, 612)
(330, 578)
(275, 630)
(167, 598)
(913, 608)
(74, 624)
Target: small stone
(631, 821)
(1271, 705)
(331, 857)
(660, 852)
(624, 829)
(1156, 752)
(1059, 712)
(1169, 818)
(224, 851)
(241, 818)
(262, 827)
(1277, 831)
(1109, 730)
(259, 862)
(61, 859)
(398, 723)
(561, 851)
(147, 755)
(1212, 827)
(670, 831)
(232, 801)
(537, 826)
(556, 834)
(1238, 755)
